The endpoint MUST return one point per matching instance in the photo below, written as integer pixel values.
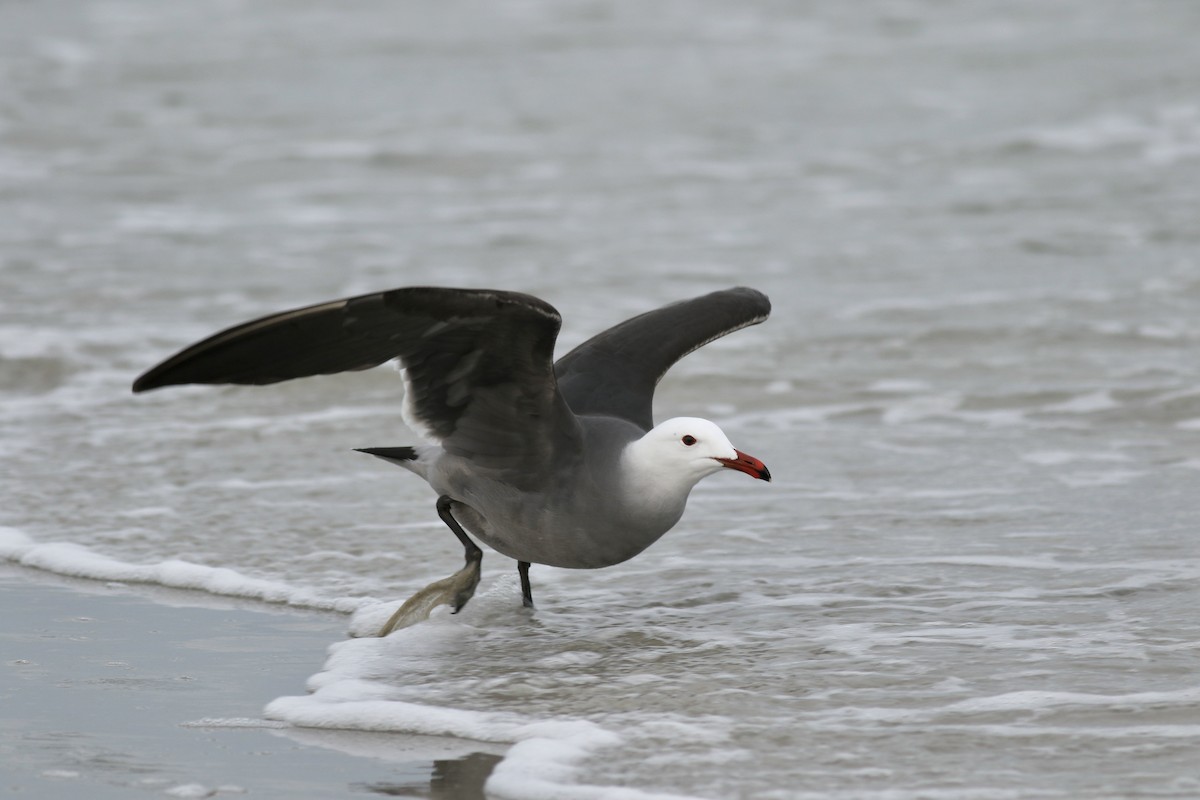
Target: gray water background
(975, 574)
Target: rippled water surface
(975, 574)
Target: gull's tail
(396, 455)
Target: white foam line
(542, 763)
(362, 687)
(1034, 700)
(233, 722)
(66, 558)
(1075, 733)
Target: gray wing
(478, 365)
(615, 372)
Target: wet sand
(111, 690)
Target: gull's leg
(526, 589)
(471, 552)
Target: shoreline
(110, 687)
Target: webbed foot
(454, 591)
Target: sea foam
(74, 560)
(356, 690)
(361, 688)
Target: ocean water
(977, 571)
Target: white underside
(408, 412)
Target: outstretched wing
(614, 373)
(477, 364)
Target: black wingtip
(144, 383)
(162, 375)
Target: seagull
(546, 462)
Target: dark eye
(689, 440)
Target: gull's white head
(691, 448)
(659, 470)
